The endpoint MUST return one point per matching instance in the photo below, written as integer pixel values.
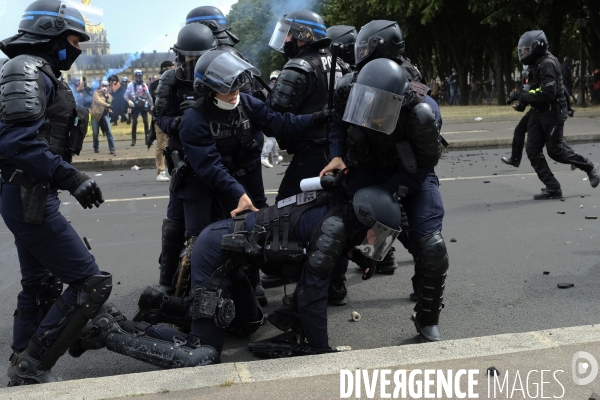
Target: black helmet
(378, 39)
(192, 41)
(378, 210)
(304, 25)
(377, 96)
(165, 65)
(346, 36)
(222, 72)
(209, 16)
(52, 18)
(532, 45)
(216, 21)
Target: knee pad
(432, 255)
(326, 249)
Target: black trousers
(307, 163)
(546, 129)
(134, 114)
(519, 137)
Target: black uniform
(301, 88)
(545, 127)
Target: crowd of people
(354, 113)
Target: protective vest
(65, 126)
(284, 255)
(560, 102)
(235, 142)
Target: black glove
(320, 117)
(186, 104)
(570, 112)
(174, 125)
(87, 192)
(520, 107)
(512, 97)
(363, 263)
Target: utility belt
(33, 195)
(553, 106)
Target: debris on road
(590, 217)
(546, 272)
(565, 285)
(355, 316)
(581, 206)
(135, 168)
(87, 243)
(560, 212)
(453, 240)
(343, 348)
(486, 181)
(478, 119)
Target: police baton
(335, 48)
(263, 83)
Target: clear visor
(184, 69)
(524, 52)
(373, 108)
(227, 73)
(364, 48)
(92, 15)
(279, 34)
(378, 241)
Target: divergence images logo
(581, 368)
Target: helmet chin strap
(224, 105)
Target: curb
(302, 367)
(113, 164)
(470, 144)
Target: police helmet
(378, 39)
(346, 36)
(274, 74)
(377, 96)
(532, 45)
(52, 18)
(192, 41)
(221, 71)
(377, 210)
(304, 25)
(165, 65)
(209, 16)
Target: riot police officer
(394, 140)
(303, 236)
(549, 112)
(185, 217)
(40, 130)
(301, 88)
(345, 36)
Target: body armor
(23, 99)
(235, 141)
(560, 102)
(289, 91)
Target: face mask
(224, 105)
(139, 80)
(105, 89)
(67, 56)
(290, 49)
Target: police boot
(548, 194)
(270, 281)
(337, 294)
(91, 337)
(155, 307)
(24, 369)
(245, 329)
(261, 297)
(387, 266)
(431, 270)
(594, 176)
(511, 161)
(172, 242)
(284, 345)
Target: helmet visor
(91, 15)
(524, 51)
(364, 48)
(378, 241)
(373, 108)
(184, 67)
(227, 73)
(279, 34)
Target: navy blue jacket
(201, 149)
(22, 150)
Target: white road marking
(274, 191)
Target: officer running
(548, 114)
(40, 130)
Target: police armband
(212, 304)
(22, 90)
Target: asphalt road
(496, 282)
